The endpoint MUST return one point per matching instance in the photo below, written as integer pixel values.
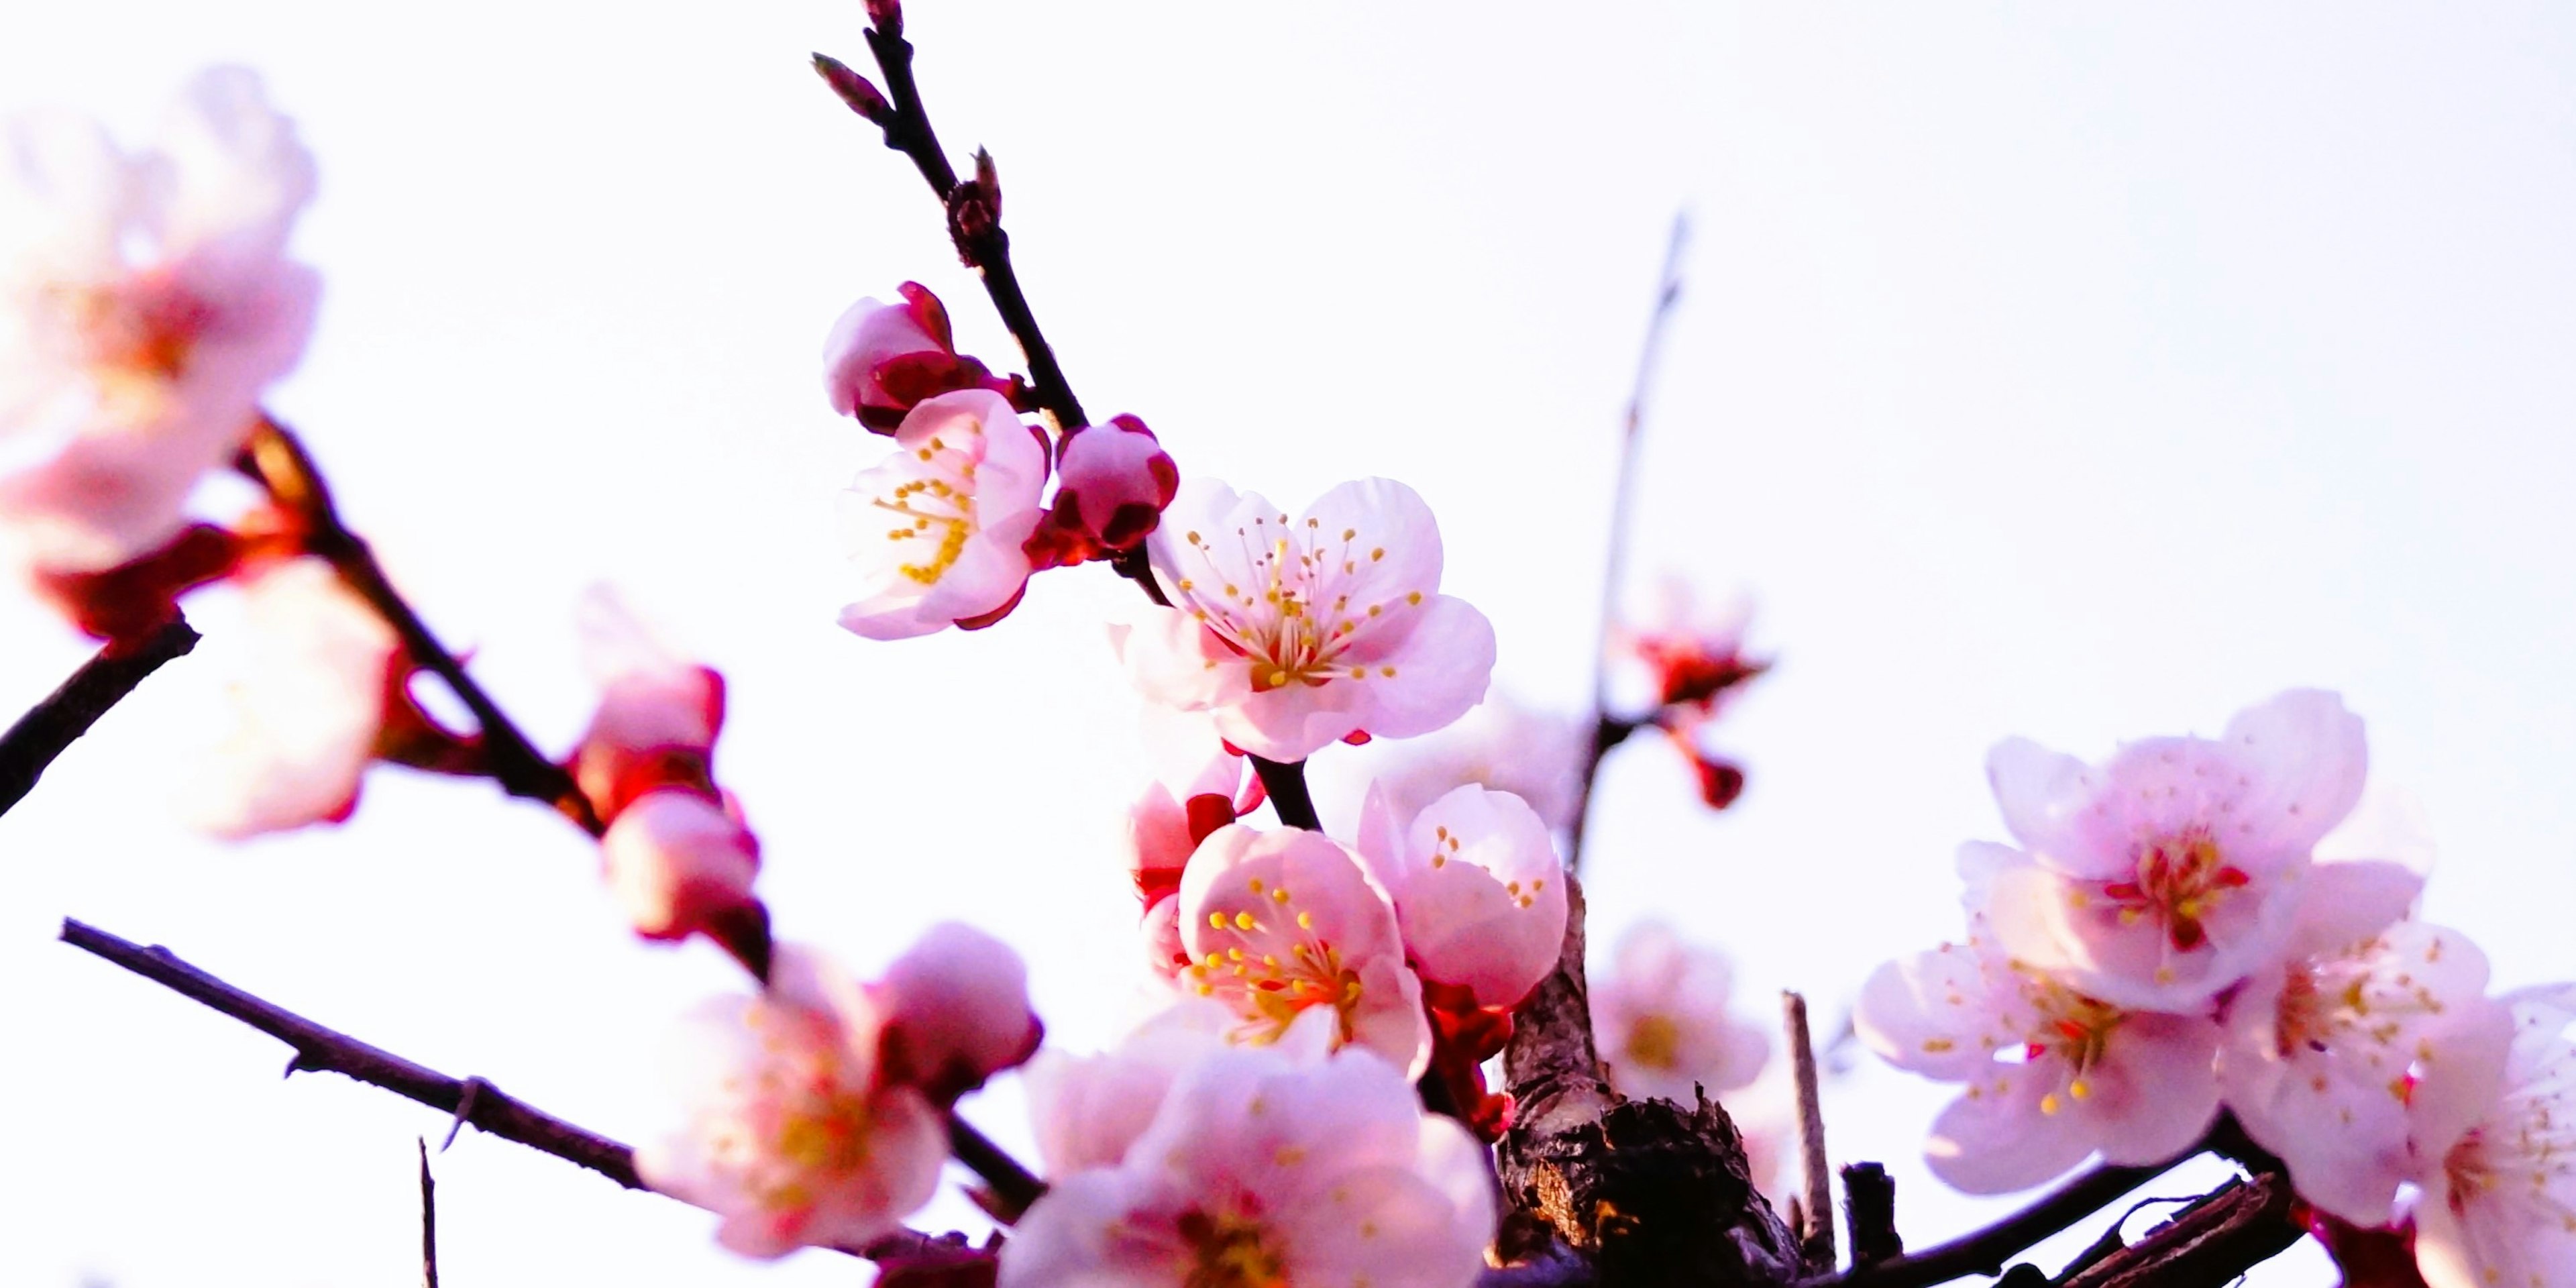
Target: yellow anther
(1244, 921)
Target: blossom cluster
(2182, 931)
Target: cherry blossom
(1691, 652)
(679, 864)
(1261, 1168)
(145, 304)
(1278, 924)
(882, 360)
(792, 1135)
(936, 529)
(2171, 871)
(2499, 1202)
(1478, 891)
(957, 1011)
(1501, 743)
(1293, 633)
(1112, 482)
(2051, 1073)
(1087, 1110)
(2324, 1050)
(308, 703)
(658, 712)
(1660, 1017)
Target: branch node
(474, 1086)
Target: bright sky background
(2064, 372)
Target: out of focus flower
(308, 706)
(1294, 633)
(882, 360)
(680, 864)
(2050, 1073)
(1499, 744)
(1112, 482)
(2167, 874)
(1478, 890)
(2324, 1051)
(1661, 1020)
(1257, 1169)
(658, 715)
(1692, 653)
(145, 304)
(2499, 1175)
(1282, 924)
(957, 1011)
(792, 1135)
(937, 529)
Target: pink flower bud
(678, 864)
(957, 1012)
(658, 712)
(882, 360)
(853, 89)
(1113, 481)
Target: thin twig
(2209, 1244)
(1014, 1187)
(1607, 730)
(1869, 1212)
(1816, 1241)
(53, 724)
(428, 1219)
(1285, 784)
(279, 462)
(1984, 1252)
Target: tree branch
(279, 463)
(1816, 1241)
(2210, 1244)
(1607, 730)
(52, 725)
(1984, 1252)
(428, 1219)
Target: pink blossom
(1660, 1017)
(2324, 1050)
(1691, 652)
(1499, 744)
(2499, 1177)
(1087, 1110)
(790, 1134)
(658, 712)
(936, 529)
(1293, 633)
(308, 703)
(1112, 482)
(881, 360)
(1478, 891)
(957, 1011)
(2172, 871)
(145, 304)
(2051, 1073)
(679, 864)
(1260, 1169)
(1282, 924)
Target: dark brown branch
(52, 725)
(428, 1219)
(1609, 731)
(2210, 1244)
(1985, 1251)
(1869, 1210)
(1285, 783)
(1816, 1240)
(279, 463)
(1013, 1186)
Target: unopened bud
(854, 89)
(886, 16)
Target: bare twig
(53, 724)
(279, 463)
(2210, 1244)
(1014, 1187)
(1609, 731)
(1869, 1210)
(1985, 1251)
(428, 1219)
(1816, 1240)
(1285, 784)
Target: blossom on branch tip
(145, 305)
(1283, 927)
(1260, 1169)
(1293, 633)
(882, 360)
(937, 528)
(791, 1134)
(956, 1012)
(2498, 1167)
(1479, 893)
(680, 865)
(2171, 871)
(2051, 1074)
(1660, 1017)
(309, 705)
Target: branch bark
(2210, 1244)
(1985, 1251)
(51, 726)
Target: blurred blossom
(1660, 1018)
(789, 1131)
(679, 864)
(936, 529)
(1293, 633)
(1682, 651)
(308, 704)
(1500, 744)
(658, 715)
(1478, 891)
(957, 1011)
(1250, 1169)
(145, 305)
(2499, 1172)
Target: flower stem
(51, 726)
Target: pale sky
(2062, 372)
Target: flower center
(1655, 1041)
(135, 335)
(2072, 1029)
(1270, 991)
(1229, 1252)
(1296, 621)
(2177, 881)
(940, 507)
